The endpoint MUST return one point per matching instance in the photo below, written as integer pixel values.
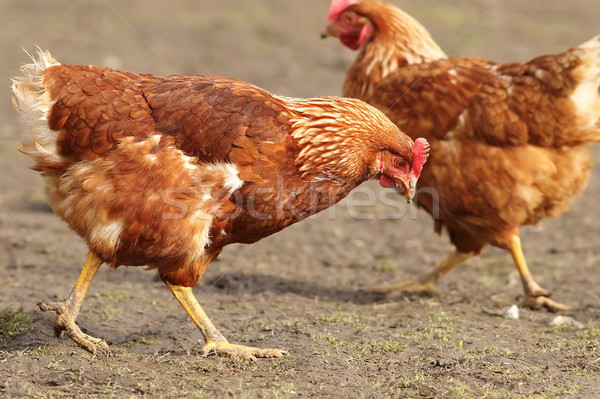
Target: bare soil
(303, 289)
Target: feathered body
(166, 171)
(509, 141)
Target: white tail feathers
(593, 44)
(31, 98)
(586, 96)
(590, 68)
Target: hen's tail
(32, 99)
(586, 95)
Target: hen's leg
(215, 342)
(68, 309)
(427, 283)
(535, 296)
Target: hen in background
(166, 171)
(509, 141)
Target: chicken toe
(535, 297)
(68, 310)
(239, 351)
(427, 283)
(539, 302)
(65, 323)
(215, 342)
(412, 287)
(532, 289)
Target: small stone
(512, 312)
(565, 321)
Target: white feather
(32, 99)
(586, 95)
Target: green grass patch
(342, 318)
(13, 322)
(386, 346)
(334, 341)
(386, 265)
(141, 341)
(336, 318)
(439, 326)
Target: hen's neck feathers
(402, 38)
(339, 141)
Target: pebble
(512, 312)
(565, 321)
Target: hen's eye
(399, 163)
(349, 17)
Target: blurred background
(272, 43)
(314, 266)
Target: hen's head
(352, 28)
(358, 22)
(347, 139)
(396, 171)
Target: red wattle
(350, 41)
(386, 182)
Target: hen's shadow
(238, 283)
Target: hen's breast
(144, 202)
(486, 189)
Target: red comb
(337, 7)
(420, 153)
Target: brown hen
(166, 171)
(509, 141)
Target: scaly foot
(224, 348)
(537, 298)
(543, 301)
(534, 290)
(65, 322)
(413, 287)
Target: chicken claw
(536, 297)
(68, 310)
(538, 302)
(65, 322)
(215, 342)
(427, 283)
(412, 287)
(239, 351)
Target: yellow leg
(215, 342)
(535, 296)
(427, 283)
(68, 310)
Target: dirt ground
(301, 289)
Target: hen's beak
(409, 189)
(328, 31)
